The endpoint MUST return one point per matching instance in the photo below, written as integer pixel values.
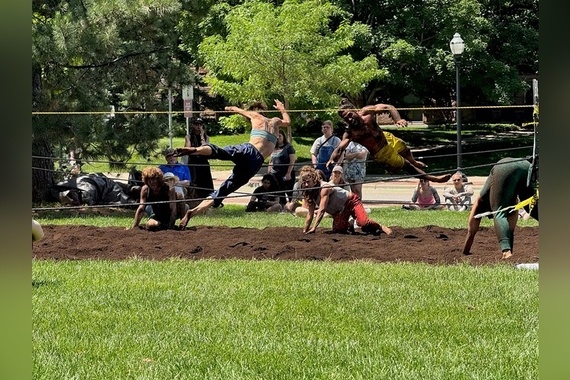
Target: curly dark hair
(271, 178)
(257, 106)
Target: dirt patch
(431, 244)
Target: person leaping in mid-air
(248, 157)
(363, 128)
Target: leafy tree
(411, 41)
(295, 52)
(90, 55)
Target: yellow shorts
(389, 159)
(395, 142)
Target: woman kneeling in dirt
(155, 189)
(341, 204)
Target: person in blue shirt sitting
(178, 169)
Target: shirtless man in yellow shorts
(364, 129)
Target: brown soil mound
(431, 244)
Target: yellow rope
(530, 201)
(289, 111)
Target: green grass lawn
(282, 320)
(235, 216)
(232, 319)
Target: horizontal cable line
(277, 192)
(267, 111)
(470, 153)
(296, 164)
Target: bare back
(369, 134)
(264, 129)
(261, 123)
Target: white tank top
(337, 199)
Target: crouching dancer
(341, 204)
(156, 190)
(508, 179)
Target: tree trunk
(42, 169)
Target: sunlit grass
(235, 216)
(282, 320)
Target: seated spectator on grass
(298, 206)
(296, 200)
(181, 193)
(458, 194)
(425, 197)
(337, 177)
(266, 196)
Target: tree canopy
(296, 52)
(411, 41)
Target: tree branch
(118, 59)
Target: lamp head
(456, 45)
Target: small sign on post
(187, 96)
(187, 92)
(187, 108)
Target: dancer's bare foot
(387, 230)
(442, 178)
(421, 164)
(184, 151)
(184, 221)
(507, 253)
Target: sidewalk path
(377, 191)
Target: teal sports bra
(264, 134)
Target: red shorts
(353, 207)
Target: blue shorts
(248, 161)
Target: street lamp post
(457, 46)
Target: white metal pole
(458, 112)
(170, 115)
